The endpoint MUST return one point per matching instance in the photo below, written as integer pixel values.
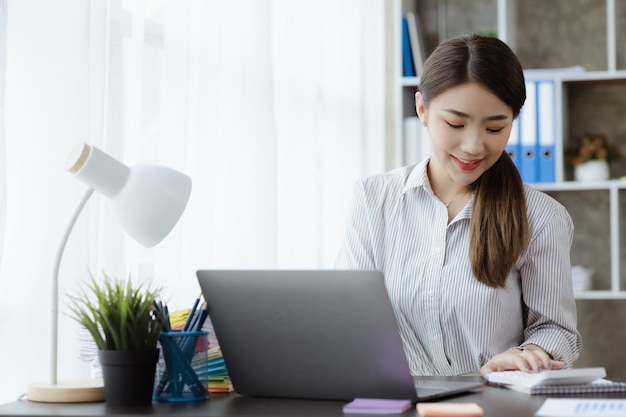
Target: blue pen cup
(183, 368)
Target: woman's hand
(530, 358)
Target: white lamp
(148, 200)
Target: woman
(476, 264)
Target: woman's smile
(466, 164)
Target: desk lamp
(148, 201)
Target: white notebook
(547, 377)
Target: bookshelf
(586, 102)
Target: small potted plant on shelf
(120, 317)
(590, 155)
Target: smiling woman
(474, 261)
(240, 96)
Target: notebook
(318, 334)
(601, 386)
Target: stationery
(449, 410)
(599, 386)
(376, 406)
(529, 169)
(546, 130)
(566, 407)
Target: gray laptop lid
(322, 334)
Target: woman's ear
(420, 108)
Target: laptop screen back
(322, 334)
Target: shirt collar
(418, 178)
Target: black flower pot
(128, 376)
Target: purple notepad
(376, 406)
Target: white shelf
(580, 185)
(600, 295)
(612, 187)
(593, 76)
(409, 81)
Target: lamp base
(69, 391)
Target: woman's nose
(473, 142)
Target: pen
(200, 318)
(192, 313)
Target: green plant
(118, 314)
(491, 33)
(591, 147)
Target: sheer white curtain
(273, 108)
(3, 181)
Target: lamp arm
(54, 316)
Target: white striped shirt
(450, 323)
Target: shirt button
(431, 293)
(437, 250)
(435, 339)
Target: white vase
(596, 170)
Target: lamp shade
(148, 200)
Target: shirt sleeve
(547, 289)
(356, 251)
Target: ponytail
(499, 230)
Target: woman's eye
(453, 126)
(495, 130)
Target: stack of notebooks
(218, 376)
(219, 380)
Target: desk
(497, 402)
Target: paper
(565, 407)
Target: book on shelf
(416, 41)
(408, 69)
(600, 386)
(533, 136)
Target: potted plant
(120, 317)
(590, 156)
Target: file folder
(416, 42)
(407, 59)
(513, 146)
(529, 166)
(547, 132)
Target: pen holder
(183, 368)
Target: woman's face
(469, 127)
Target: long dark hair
(499, 230)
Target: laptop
(316, 334)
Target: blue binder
(407, 58)
(513, 145)
(547, 132)
(529, 165)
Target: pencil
(192, 313)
